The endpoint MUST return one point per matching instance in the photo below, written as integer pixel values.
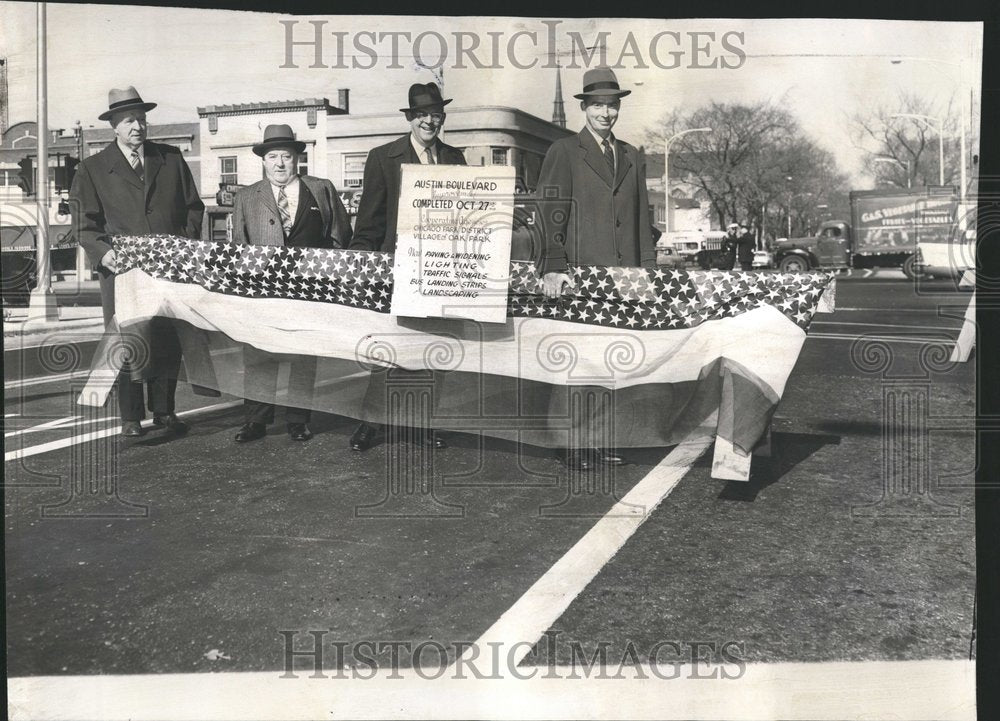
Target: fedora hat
(278, 136)
(124, 99)
(600, 81)
(424, 96)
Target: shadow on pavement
(787, 451)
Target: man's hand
(110, 261)
(552, 284)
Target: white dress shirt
(600, 144)
(127, 152)
(292, 193)
(421, 151)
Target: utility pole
(42, 302)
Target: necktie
(430, 158)
(136, 162)
(286, 216)
(609, 156)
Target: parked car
(667, 256)
(761, 259)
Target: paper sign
(453, 242)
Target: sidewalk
(80, 318)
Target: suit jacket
(256, 220)
(375, 228)
(110, 199)
(589, 217)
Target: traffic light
(26, 181)
(64, 174)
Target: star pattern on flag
(614, 297)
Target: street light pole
(963, 149)
(666, 172)
(789, 179)
(82, 271)
(42, 302)
(930, 120)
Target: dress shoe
(299, 432)
(580, 459)
(433, 439)
(132, 429)
(605, 457)
(172, 423)
(251, 432)
(363, 437)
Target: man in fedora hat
(730, 243)
(375, 228)
(284, 209)
(136, 187)
(596, 210)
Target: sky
(823, 71)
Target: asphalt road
(854, 540)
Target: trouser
(585, 413)
(261, 382)
(156, 348)
(746, 265)
(130, 397)
(377, 403)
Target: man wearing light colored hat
(375, 228)
(594, 207)
(290, 210)
(136, 187)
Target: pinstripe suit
(256, 220)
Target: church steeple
(558, 111)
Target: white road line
(886, 325)
(40, 380)
(886, 310)
(884, 339)
(56, 423)
(11, 415)
(541, 605)
(69, 422)
(104, 433)
(944, 690)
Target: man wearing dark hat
(595, 207)
(745, 247)
(375, 228)
(284, 209)
(136, 187)
(730, 244)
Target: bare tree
(755, 167)
(911, 145)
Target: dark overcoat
(375, 228)
(109, 198)
(589, 217)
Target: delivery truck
(886, 229)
